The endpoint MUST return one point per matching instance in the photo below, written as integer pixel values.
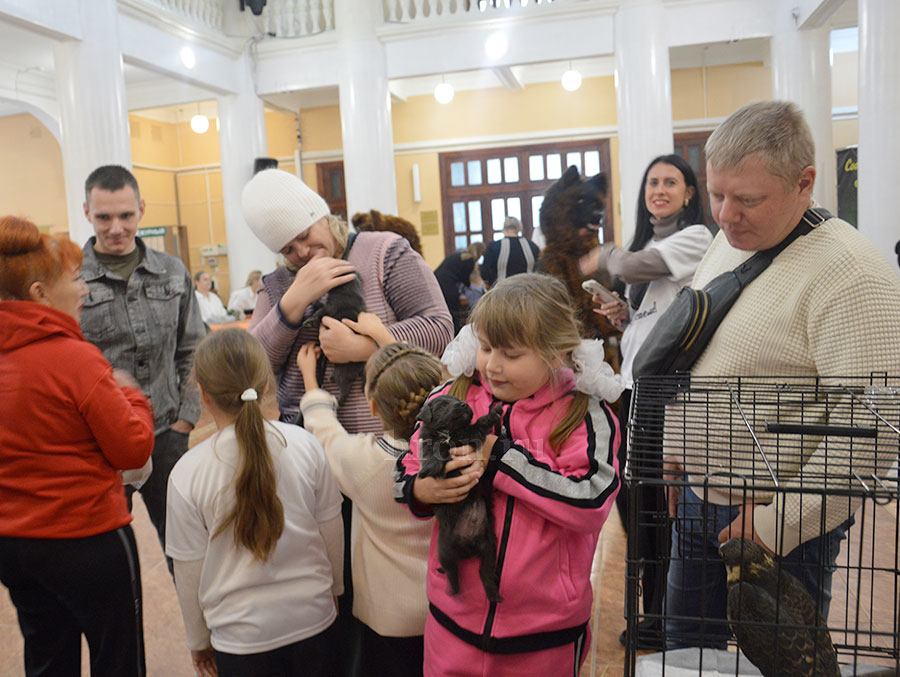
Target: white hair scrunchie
(593, 374)
(461, 354)
(249, 395)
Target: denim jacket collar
(92, 269)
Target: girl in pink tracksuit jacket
(553, 467)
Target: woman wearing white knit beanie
(321, 253)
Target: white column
(369, 176)
(879, 111)
(801, 72)
(643, 97)
(90, 88)
(242, 138)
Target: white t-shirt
(252, 606)
(682, 251)
(211, 309)
(243, 299)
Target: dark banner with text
(847, 184)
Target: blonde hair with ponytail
(226, 364)
(534, 311)
(399, 378)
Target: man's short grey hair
(777, 130)
(512, 223)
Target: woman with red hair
(68, 425)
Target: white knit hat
(278, 206)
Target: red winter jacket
(548, 511)
(66, 429)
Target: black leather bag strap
(351, 238)
(749, 269)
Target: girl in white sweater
(254, 528)
(389, 547)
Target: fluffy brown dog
(572, 209)
(466, 528)
(375, 220)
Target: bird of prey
(773, 617)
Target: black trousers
(395, 656)
(315, 657)
(63, 588)
(644, 508)
(168, 447)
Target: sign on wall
(847, 184)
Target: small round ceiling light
(571, 80)
(200, 123)
(188, 58)
(444, 92)
(495, 46)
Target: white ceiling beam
(162, 92)
(152, 46)
(398, 92)
(60, 19)
(720, 21)
(288, 65)
(554, 37)
(815, 13)
(508, 78)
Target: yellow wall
(489, 112)
(158, 191)
(845, 70)
(430, 182)
(846, 132)
(31, 175)
(309, 175)
(723, 89)
(321, 128)
(730, 87)
(281, 133)
(154, 142)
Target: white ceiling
(715, 54)
(30, 55)
(25, 50)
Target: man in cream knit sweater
(828, 306)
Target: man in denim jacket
(142, 314)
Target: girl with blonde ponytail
(390, 547)
(253, 527)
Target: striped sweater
(398, 287)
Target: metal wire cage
(813, 462)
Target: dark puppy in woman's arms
(342, 302)
(466, 528)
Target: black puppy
(345, 301)
(467, 527)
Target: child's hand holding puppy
(307, 359)
(369, 324)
